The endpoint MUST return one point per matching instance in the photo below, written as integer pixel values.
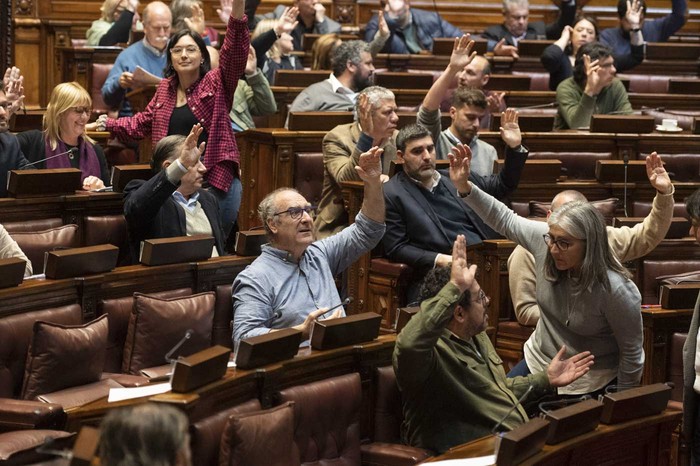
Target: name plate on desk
(248, 242)
(678, 229)
(11, 271)
(521, 443)
(199, 369)
(334, 333)
(40, 183)
(403, 316)
(622, 124)
(79, 262)
(122, 174)
(577, 419)
(635, 403)
(176, 250)
(613, 171)
(680, 296)
(267, 349)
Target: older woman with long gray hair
(587, 300)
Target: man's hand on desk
(308, 323)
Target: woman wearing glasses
(193, 93)
(587, 300)
(63, 142)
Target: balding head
(157, 21)
(476, 74)
(563, 197)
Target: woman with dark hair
(193, 93)
(558, 58)
(587, 300)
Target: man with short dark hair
(654, 30)
(173, 203)
(592, 88)
(353, 71)
(452, 382)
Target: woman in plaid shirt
(191, 93)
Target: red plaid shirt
(210, 100)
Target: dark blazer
(428, 24)
(414, 234)
(536, 30)
(11, 158)
(151, 212)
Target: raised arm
(234, 52)
(567, 13)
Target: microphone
(275, 315)
(71, 155)
(517, 403)
(169, 355)
(546, 406)
(626, 161)
(347, 301)
(554, 104)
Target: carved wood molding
(6, 43)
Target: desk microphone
(169, 355)
(625, 161)
(347, 301)
(275, 315)
(517, 403)
(554, 104)
(72, 152)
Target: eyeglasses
(81, 110)
(295, 213)
(481, 298)
(561, 244)
(190, 49)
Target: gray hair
(583, 221)
(349, 51)
(692, 205)
(375, 94)
(266, 208)
(518, 3)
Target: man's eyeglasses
(295, 213)
(190, 49)
(561, 244)
(481, 298)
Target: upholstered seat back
(642, 209)
(100, 71)
(308, 175)
(222, 328)
(327, 420)
(681, 167)
(388, 412)
(651, 269)
(675, 365)
(35, 244)
(15, 335)
(575, 165)
(108, 229)
(33, 225)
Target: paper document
(121, 394)
(144, 78)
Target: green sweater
(453, 390)
(576, 108)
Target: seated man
(503, 38)
(173, 203)
(342, 146)
(619, 39)
(291, 283)
(627, 243)
(11, 156)
(592, 88)
(312, 19)
(467, 109)
(452, 382)
(424, 213)
(352, 72)
(148, 53)
(475, 76)
(412, 30)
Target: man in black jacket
(11, 157)
(173, 203)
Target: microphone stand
(626, 161)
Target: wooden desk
(642, 441)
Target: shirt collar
(152, 49)
(337, 85)
(436, 180)
(187, 203)
(279, 253)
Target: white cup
(668, 123)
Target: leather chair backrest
(388, 410)
(222, 328)
(205, 434)
(675, 365)
(15, 335)
(575, 165)
(100, 71)
(308, 175)
(119, 311)
(521, 208)
(646, 83)
(651, 269)
(33, 225)
(539, 81)
(327, 420)
(108, 229)
(35, 244)
(642, 209)
(681, 167)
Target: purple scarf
(88, 162)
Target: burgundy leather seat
(308, 175)
(651, 269)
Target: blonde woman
(63, 141)
(278, 57)
(119, 17)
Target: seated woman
(587, 300)
(592, 88)
(322, 51)
(278, 57)
(118, 19)
(63, 141)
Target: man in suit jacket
(173, 203)
(503, 38)
(412, 30)
(424, 212)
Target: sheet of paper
(144, 78)
(479, 461)
(120, 394)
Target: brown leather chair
(575, 165)
(643, 208)
(108, 229)
(646, 83)
(100, 71)
(222, 328)
(308, 175)
(33, 225)
(681, 167)
(36, 244)
(649, 270)
(675, 369)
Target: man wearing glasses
(291, 283)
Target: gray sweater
(608, 324)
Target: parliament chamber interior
(325, 403)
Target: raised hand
(370, 166)
(594, 83)
(196, 21)
(320, 12)
(562, 372)
(460, 167)
(510, 130)
(657, 174)
(288, 21)
(462, 275)
(634, 14)
(13, 84)
(565, 38)
(383, 28)
(225, 11)
(505, 50)
(462, 54)
(190, 153)
(365, 115)
(251, 65)
(496, 101)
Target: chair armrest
(391, 454)
(384, 266)
(25, 414)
